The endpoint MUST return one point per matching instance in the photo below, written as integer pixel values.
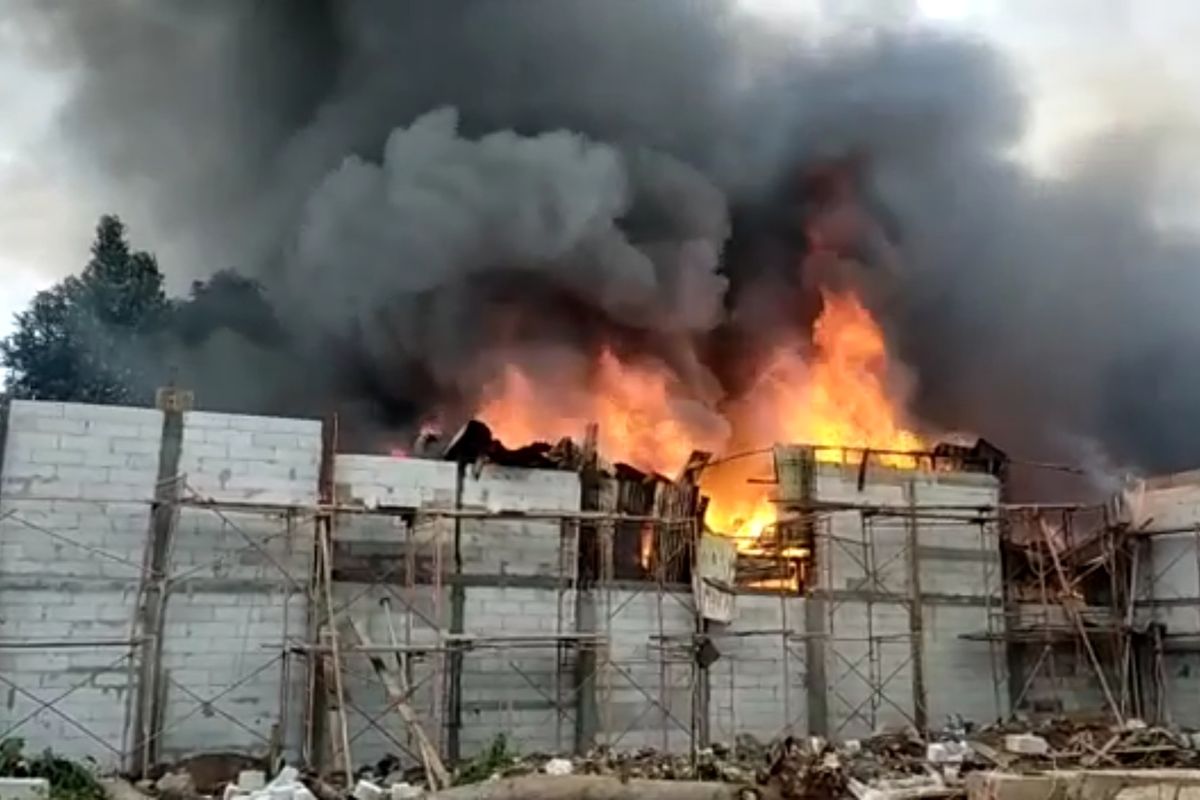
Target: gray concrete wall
(513, 573)
(78, 482)
(74, 511)
(645, 696)
(758, 686)
(238, 582)
(1167, 510)
(870, 641)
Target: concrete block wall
(514, 690)
(372, 587)
(489, 547)
(75, 486)
(759, 684)
(511, 570)
(238, 577)
(863, 568)
(1169, 592)
(518, 547)
(1167, 509)
(1163, 503)
(413, 617)
(961, 588)
(641, 702)
(861, 574)
(238, 583)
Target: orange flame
(637, 409)
(838, 399)
(837, 396)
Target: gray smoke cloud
(429, 182)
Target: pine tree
(88, 338)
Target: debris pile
(1081, 743)
(897, 765)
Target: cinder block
(284, 440)
(205, 419)
(202, 450)
(124, 445)
(20, 410)
(112, 429)
(1026, 744)
(116, 414)
(24, 789)
(57, 425)
(51, 456)
(20, 439)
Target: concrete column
(154, 593)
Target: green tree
(90, 337)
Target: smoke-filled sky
(387, 167)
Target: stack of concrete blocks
(238, 580)
(757, 686)
(77, 481)
(1166, 510)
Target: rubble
(1027, 744)
(1082, 742)
(177, 785)
(365, 790)
(285, 786)
(893, 765)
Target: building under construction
(179, 582)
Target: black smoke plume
(422, 185)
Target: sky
(1085, 66)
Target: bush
(68, 779)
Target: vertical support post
(916, 622)
(989, 572)
(701, 694)
(313, 745)
(872, 584)
(664, 694)
(818, 605)
(280, 739)
(4, 405)
(316, 728)
(335, 655)
(815, 612)
(154, 593)
(568, 565)
(458, 603)
(587, 556)
(784, 653)
(607, 533)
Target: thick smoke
(423, 184)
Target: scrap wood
(435, 771)
(1101, 754)
(595, 787)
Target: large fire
(641, 420)
(833, 393)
